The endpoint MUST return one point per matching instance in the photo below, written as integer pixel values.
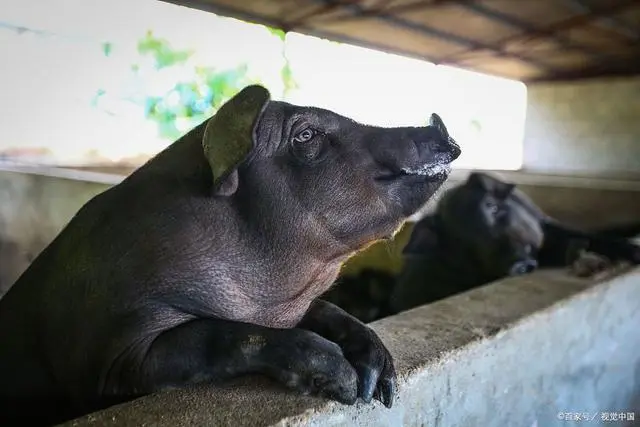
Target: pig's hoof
(374, 364)
(317, 366)
(590, 265)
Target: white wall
(590, 127)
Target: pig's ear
(437, 123)
(489, 184)
(229, 136)
(423, 239)
(504, 189)
(481, 181)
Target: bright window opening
(112, 82)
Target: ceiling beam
(471, 45)
(321, 10)
(401, 8)
(611, 23)
(525, 26)
(473, 6)
(550, 30)
(579, 20)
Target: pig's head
(322, 173)
(488, 224)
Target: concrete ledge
(64, 173)
(558, 179)
(513, 353)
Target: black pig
(206, 263)
(486, 229)
(365, 295)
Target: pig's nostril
(454, 149)
(448, 151)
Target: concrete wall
(531, 351)
(33, 210)
(586, 127)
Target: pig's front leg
(562, 244)
(360, 345)
(210, 349)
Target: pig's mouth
(431, 172)
(437, 170)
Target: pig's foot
(210, 349)
(361, 347)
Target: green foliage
(196, 96)
(278, 33)
(190, 100)
(162, 52)
(285, 73)
(287, 76)
(106, 48)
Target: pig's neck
(294, 262)
(288, 304)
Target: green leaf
(107, 47)
(277, 32)
(162, 52)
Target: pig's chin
(410, 187)
(414, 186)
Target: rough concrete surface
(513, 353)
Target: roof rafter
(525, 26)
(472, 45)
(551, 30)
(609, 22)
(402, 8)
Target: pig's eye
(491, 207)
(304, 135)
(307, 147)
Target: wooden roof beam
(526, 27)
(472, 45)
(613, 24)
(402, 8)
(551, 30)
